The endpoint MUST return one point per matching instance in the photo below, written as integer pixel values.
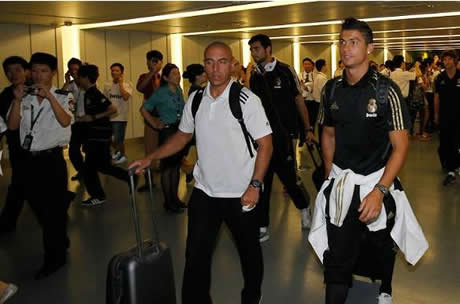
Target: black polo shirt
(449, 97)
(283, 86)
(96, 103)
(362, 127)
(12, 137)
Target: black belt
(45, 152)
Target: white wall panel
(283, 51)
(95, 52)
(43, 39)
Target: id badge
(27, 144)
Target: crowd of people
(246, 123)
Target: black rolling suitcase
(144, 274)
(318, 174)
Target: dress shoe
(182, 204)
(173, 208)
(49, 268)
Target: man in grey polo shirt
(227, 178)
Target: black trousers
(14, 202)
(97, 158)
(354, 249)
(205, 217)
(449, 146)
(77, 139)
(313, 109)
(45, 177)
(284, 167)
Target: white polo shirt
(224, 167)
(47, 132)
(402, 79)
(318, 84)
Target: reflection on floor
(292, 271)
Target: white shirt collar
(225, 93)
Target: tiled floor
(292, 272)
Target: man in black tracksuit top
(278, 87)
(99, 132)
(447, 113)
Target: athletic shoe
(116, 155)
(93, 201)
(263, 234)
(384, 298)
(305, 218)
(450, 179)
(120, 160)
(8, 293)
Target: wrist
(257, 184)
(382, 189)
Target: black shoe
(181, 204)
(173, 208)
(189, 178)
(450, 179)
(49, 268)
(77, 176)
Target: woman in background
(168, 101)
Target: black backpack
(237, 96)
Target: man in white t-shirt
(400, 76)
(318, 84)
(119, 93)
(219, 197)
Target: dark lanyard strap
(32, 120)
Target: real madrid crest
(278, 83)
(372, 106)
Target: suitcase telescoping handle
(155, 237)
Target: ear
(370, 48)
(269, 49)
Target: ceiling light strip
(332, 22)
(203, 12)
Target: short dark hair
(117, 64)
(361, 26)
(44, 58)
(154, 55)
(449, 53)
(320, 63)
(308, 59)
(166, 71)
(72, 61)
(192, 71)
(90, 71)
(263, 39)
(398, 60)
(15, 60)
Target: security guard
(42, 115)
(364, 143)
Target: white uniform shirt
(402, 79)
(47, 132)
(307, 84)
(224, 167)
(318, 84)
(112, 92)
(3, 126)
(79, 98)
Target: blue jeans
(119, 130)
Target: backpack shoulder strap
(236, 97)
(197, 101)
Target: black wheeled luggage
(143, 274)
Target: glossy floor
(293, 274)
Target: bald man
(231, 197)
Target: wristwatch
(257, 184)
(309, 129)
(383, 189)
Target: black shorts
(176, 158)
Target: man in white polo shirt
(400, 76)
(228, 179)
